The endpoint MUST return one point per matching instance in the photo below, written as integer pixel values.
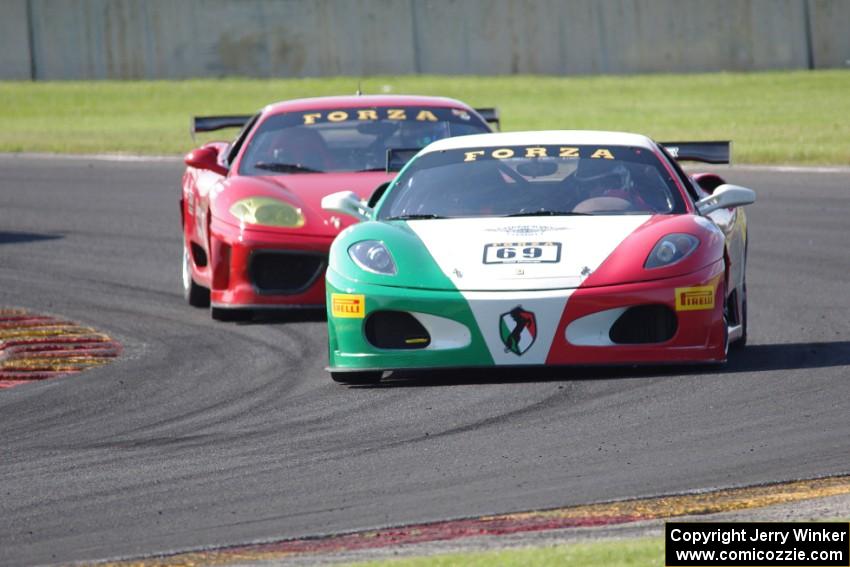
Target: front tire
(194, 294)
(366, 377)
(742, 342)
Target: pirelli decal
(695, 298)
(348, 306)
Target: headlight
(267, 211)
(671, 249)
(373, 256)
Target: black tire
(357, 378)
(227, 314)
(194, 294)
(742, 342)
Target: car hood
(303, 190)
(580, 251)
(523, 253)
(311, 187)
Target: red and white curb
(540, 521)
(38, 347)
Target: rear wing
(397, 158)
(210, 123)
(706, 152)
(490, 116)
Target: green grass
(773, 117)
(617, 553)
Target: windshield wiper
(382, 168)
(419, 216)
(548, 213)
(285, 167)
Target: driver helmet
(418, 134)
(302, 146)
(599, 176)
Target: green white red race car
(540, 248)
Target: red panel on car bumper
(700, 335)
(233, 284)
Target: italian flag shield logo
(518, 329)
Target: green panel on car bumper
(350, 350)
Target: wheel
(227, 314)
(194, 294)
(357, 378)
(742, 342)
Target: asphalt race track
(207, 434)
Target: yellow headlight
(267, 211)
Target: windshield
(532, 181)
(351, 139)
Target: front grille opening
(397, 330)
(198, 255)
(284, 272)
(644, 324)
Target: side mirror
(348, 203)
(726, 196)
(205, 158)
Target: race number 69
(522, 252)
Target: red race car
(254, 233)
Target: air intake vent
(199, 256)
(285, 272)
(644, 324)
(397, 330)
